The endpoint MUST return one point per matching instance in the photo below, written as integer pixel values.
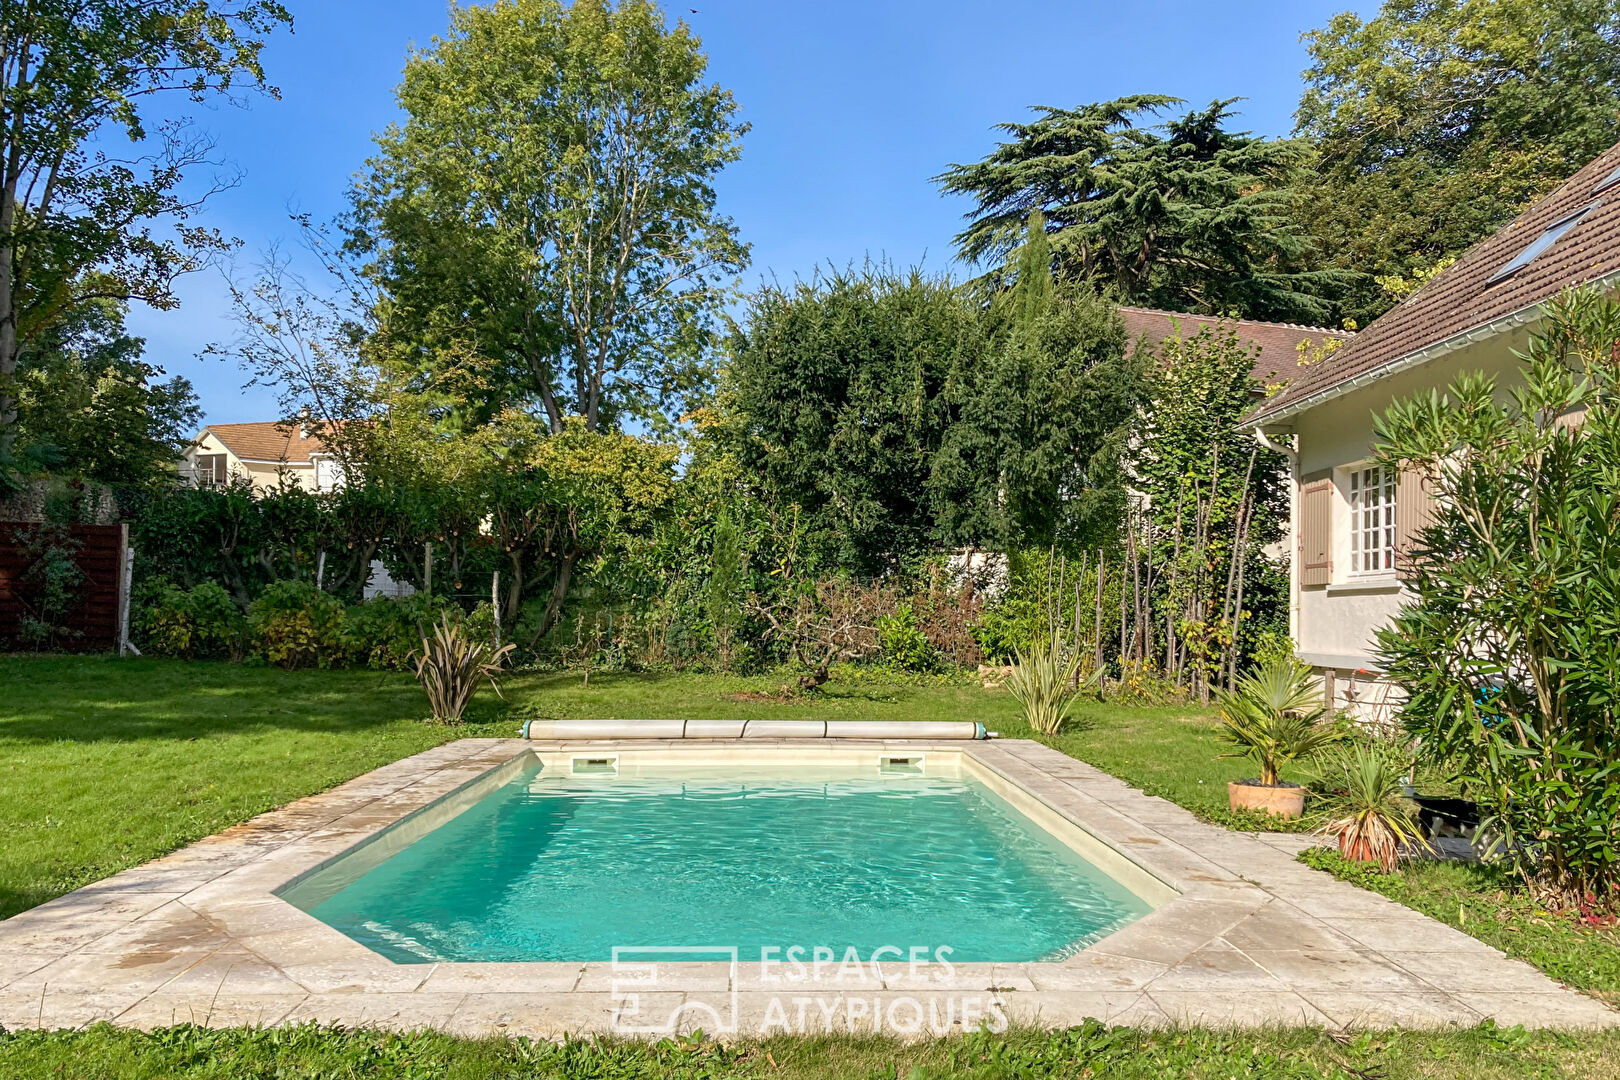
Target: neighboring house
(1350, 520)
(263, 454)
(1277, 358)
(1278, 355)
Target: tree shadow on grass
(103, 699)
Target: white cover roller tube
(566, 730)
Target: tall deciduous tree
(1438, 120)
(78, 220)
(1186, 215)
(89, 401)
(541, 226)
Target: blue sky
(854, 106)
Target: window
(211, 470)
(1547, 239)
(1607, 182)
(328, 474)
(1372, 520)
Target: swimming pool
(567, 863)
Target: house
(266, 453)
(1351, 520)
(1277, 345)
(262, 453)
(1279, 351)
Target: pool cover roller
(567, 730)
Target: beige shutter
(1414, 512)
(1316, 530)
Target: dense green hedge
(291, 624)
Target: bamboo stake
(1102, 570)
(1079, 581)
(1243, 561)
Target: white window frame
(1370, 493)
(211, 477)
(335, 478)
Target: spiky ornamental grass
(1047, 682)
(451, 666)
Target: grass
(1483, 901)
(1092, 1052)
(107, 763)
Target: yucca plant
(1047, 682)
(1274, 717)
(1370, 814)
(451, 665)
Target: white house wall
(1334, 625)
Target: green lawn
(106, 763)
(1483, 901)
(1091, 1052)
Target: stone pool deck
(1252, 937)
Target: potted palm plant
(1371, 818)
(1274, 717)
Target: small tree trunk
(559, 593)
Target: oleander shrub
(1510, 651)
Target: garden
(872, 493)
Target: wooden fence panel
(91, 624)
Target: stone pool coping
(1245, 935)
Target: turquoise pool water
(567, 868)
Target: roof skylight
(1549, 236)
(1608, 181)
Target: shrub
(452, 664)
(383, 632)
(202, 623)
(1510, 653)
(1274, 718)
(902, 643)
(296, 625)
(1271, 647)
(161, 619)
(1046, 681)
(217, 623)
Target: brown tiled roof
(269, 441)
(1278, 356)
(1463, 299)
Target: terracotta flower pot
(1284, 800)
